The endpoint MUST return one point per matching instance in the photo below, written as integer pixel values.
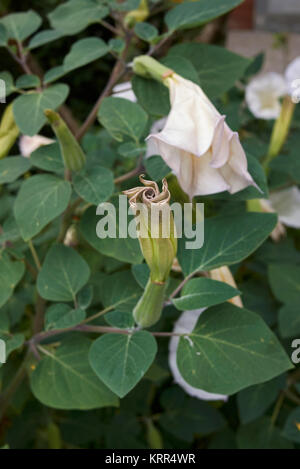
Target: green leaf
(131, 149)
(61, 316)
(40, 199)
(120, 291)
(289, 320)
(63, 274)
(141, 273)
(82, 52)
(44, 37)
(185, 416)
(27, 81)
(29, 108)
(95, 184)
(12, 342)
(11, 273)
(285, 282)
(203, 292)
(120, 319)
(64, 379)
(117, 44)
(48, 157)
(75, 15)
(21, 25)
(291, 428)
(153, 96)
(218, 69)
(254, 401)
(194, 14)
(146, 31)
(3, 35)
(228, 240)
(12, 168)
(261, 434)
(123, 249)
(230, 349)
(122, 118)
(126, 358)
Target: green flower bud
(138, 15)
(158, 241)
(147, 67)
(9, 131)
(73, 156)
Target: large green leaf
(122, 118)
(82, 52)
(13, 167)
(185, 416)
(21, 25)
(255, 400)
(44, 37)
(95, 184)
(49, 158)
(227, 240)
(11, 273)
(261, 434)
(40, 199)
(218, 69)
(289, 320)
(29, 108)
(193, 14)
(62, 316)
(123, 249)
(203, 292)
(75, 15)
(230, 349)
(63, 274)
(120, 291)
(64, 379)
(285, 282)
(121, 360)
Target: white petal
(235, 172)
(263, 95)
(292, 75)
(287, 204)
(28, 144)
(186, 324)
(124, 90)
(151, 145)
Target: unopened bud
(158, 241)
(147, 67)
(138, 15)
(73, 156)
(9, 131)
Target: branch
(117, 72)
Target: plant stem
(181, 285)
(277, 408)
(117, 72)
(34, 255)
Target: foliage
(67, 296)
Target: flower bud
(9, 131)
(157, 237)
(147, 67)
(223, 274)
(138, 15)
(73, 156)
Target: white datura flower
(124, 90)
(287, 204)
(185, 324)
(196, 143)
(292, 76)
(28, 144)
(263, 95)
